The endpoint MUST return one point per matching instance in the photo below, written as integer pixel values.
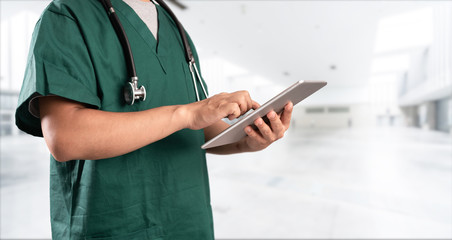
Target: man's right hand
(209, 111)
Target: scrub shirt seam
(96, 102)
(63, 15)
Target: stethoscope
(132, 92)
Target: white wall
(355, 115)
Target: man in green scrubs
(119, 171)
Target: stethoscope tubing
(135, 92)
(124, 40)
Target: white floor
(380, 183)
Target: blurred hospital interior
(368, 156)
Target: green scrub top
(160, 191)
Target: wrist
(242, 146)
(248, 145)
(181, 116)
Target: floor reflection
(315, 183)
(349, 183)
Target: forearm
(94, 134)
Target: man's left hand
(266, 134)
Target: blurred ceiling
(286, 41)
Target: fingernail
(248, 129)
(272, 115)
(259, 122)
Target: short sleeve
(59, 64)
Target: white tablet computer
(295, 93)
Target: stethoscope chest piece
(132, 92)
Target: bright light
(392, 63)
(405, 31)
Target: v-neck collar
(140, 27)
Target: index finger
(245, 98)
(255, 105)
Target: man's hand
(267, 134)
(204, 113)
(256, 140)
